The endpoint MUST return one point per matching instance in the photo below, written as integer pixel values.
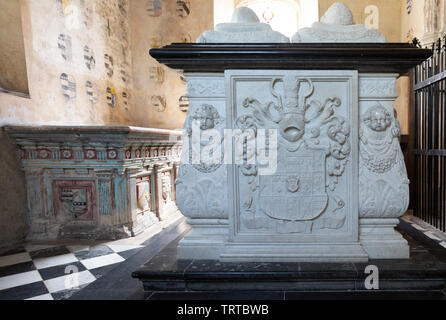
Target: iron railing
(429, 203)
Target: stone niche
(97, 182)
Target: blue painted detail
(104, 197)
(81, 171)
(120, 198)
(112, 194)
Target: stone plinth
(97, 182)
(167, 276)
(325, 114)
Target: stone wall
(13, 75)
(66, 44)
(13, 207)
(153, 24)
(79, 64)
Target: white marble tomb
(340, 183)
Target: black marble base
(166, 276)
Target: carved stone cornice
(364, 57)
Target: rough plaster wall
(412, 24)
(155, 24)
(102, 25)
(13, 208)
(13, 75)
(46, 26)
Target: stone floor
(105, 270)
(58, 270)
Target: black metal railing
(430, 136)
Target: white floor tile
(70, 281)
(42, 297)
(14, 259)
(19, 279)
(432, 236)
(443, 244)
(418, 227)
(42, 263)
(122, 247)
(101, 261)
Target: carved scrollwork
(198, 87)
(314, 150)
(201, 198)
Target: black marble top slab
(364, 57)
(115, 134)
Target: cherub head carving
(208, 117)
(377, 118)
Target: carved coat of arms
(74, 201)
(297, 192)
(313, 150)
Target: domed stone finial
(245, 27)
(337, 25)
(244, 15)
(338, 14)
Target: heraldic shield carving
(297, 191)
(313, 187)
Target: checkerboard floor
(55, 272)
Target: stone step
(423, 272)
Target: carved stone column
(165, 205)
(201, 187)
(383, 182)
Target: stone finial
(338, 14)
(244, 15)
(245, 27)
(338, 25)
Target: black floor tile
(61, 270)
(127, 254)
(93, 252)
(49, 252)
(66, 294)
(99, 272)
(17, 268)
(12, 251)
(24, 292)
